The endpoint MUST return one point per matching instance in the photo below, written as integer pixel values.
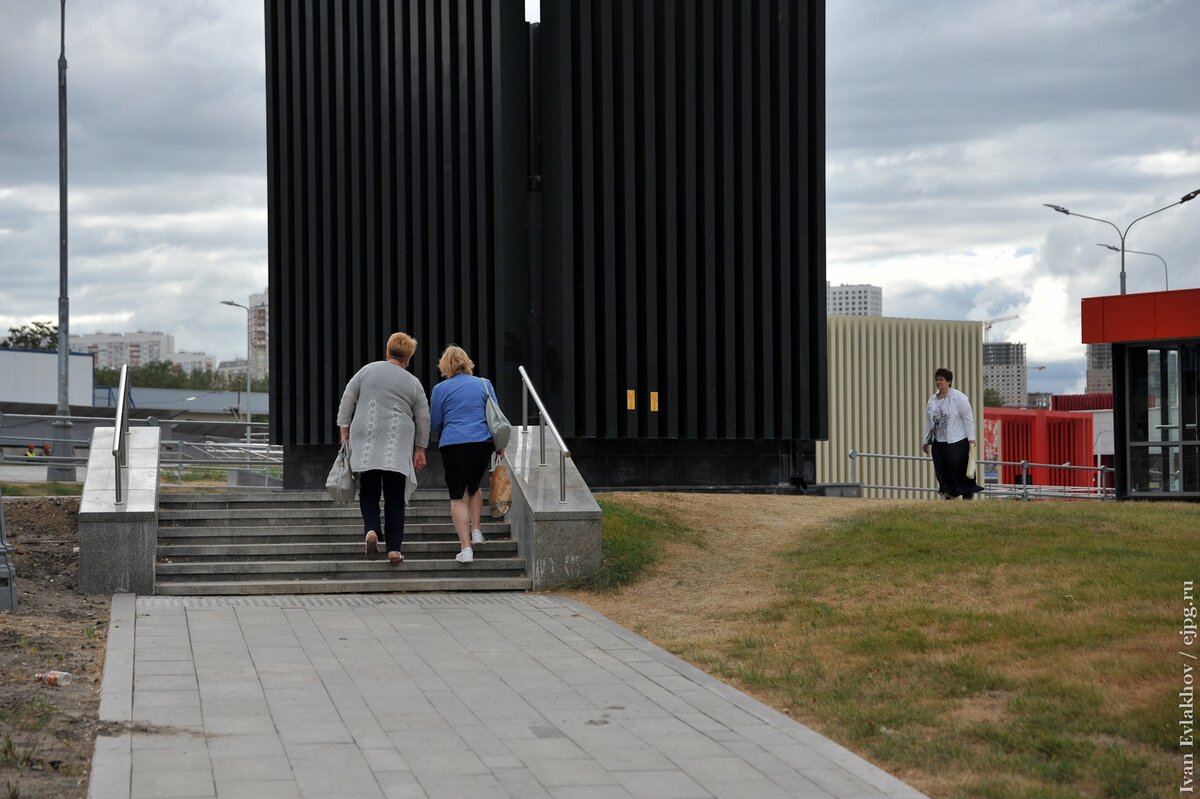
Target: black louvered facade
(395, 202)
(629, 201)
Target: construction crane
(987, 324)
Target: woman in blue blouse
(457, 412)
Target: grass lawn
(988, 649)
(47, 489)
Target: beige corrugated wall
(880, 375)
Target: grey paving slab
(435, 695)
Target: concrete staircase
(298, 542)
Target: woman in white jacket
(950, 433)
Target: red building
(1155, 340)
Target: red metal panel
(1091, 318)
(1151, 316)
(1178, 314)
(1082, 402)
(1043, 436)
(1129, 318)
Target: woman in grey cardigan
(385, 416)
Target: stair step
(261, 542)
(282, 515)
(286, 499)
(344, 586)
(333, 569)
(279, 496)
(177, 553)
(353, 542)
(338, 533)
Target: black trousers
(950, 466)
(392, 485)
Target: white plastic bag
(340, 483)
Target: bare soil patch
(47, 733)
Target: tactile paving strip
(348, 600)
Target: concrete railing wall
(560, 541)
(117, 542)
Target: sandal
(371, 545)
(395, 557)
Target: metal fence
(1023, 490)
(259, 464)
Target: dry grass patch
(720, 564)
(984, 649)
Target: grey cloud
(914, 73)
(151, 87)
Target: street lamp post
(1180, 201)
(64, 469)
(1166, 280)
(248, 347)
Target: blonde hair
(401, 346)
(455, 361)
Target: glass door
(1164, 414)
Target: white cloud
(1176, 163)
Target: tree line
(165, 374)
(43, 336)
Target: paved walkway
(434, 695)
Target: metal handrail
(544, 421)
(1023, 490)
(120, 447)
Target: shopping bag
(971, 463)
(500, 492)
(341, 483)
(497, 422)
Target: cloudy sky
(949, 124)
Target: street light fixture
(1185, 198)
(248, 346)
(1166, 280)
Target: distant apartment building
(1099, 369)
(193, 361)
(234, 369)
(1038, 399)
(111, 350)
(259, 321)
(1004, 371)
(853, 300)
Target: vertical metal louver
(397, 134)
(880, 377)
(682, 163)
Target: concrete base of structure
(836, 490)
(612, 464)
(306, 467)
(118, 553)
(678, 463)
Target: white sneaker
(476, 536)
(466, 556)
